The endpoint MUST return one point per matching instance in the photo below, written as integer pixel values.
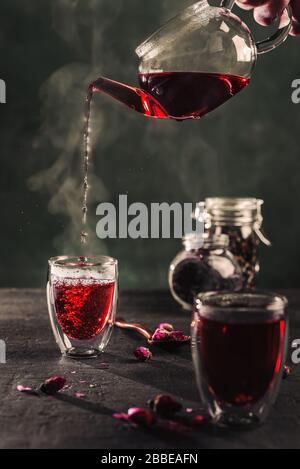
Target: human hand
(267, 11)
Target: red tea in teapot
(174, 95)
(191, 95)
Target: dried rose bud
(287, 370)
(160, 335)
(141, 416)
(165, 327)
(52, 385)
(142, 354)
(165, 405)
(179, 336)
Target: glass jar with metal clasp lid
(241, 220)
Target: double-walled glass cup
(82, 295)
(239, 344)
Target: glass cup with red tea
(239, 345)
(82, 299)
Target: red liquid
(240, 361)
(173, 95)
(186, 95)
(135, 98)
(83, 306)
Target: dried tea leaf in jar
(205, 264)
(241, 220)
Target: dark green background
(49, 52)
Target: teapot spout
(135, 98)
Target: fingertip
(284, 20)
(262, 18)
(295, 31)
(269, 13)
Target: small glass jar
(204, 265)
(241, 219)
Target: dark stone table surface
(66, 421)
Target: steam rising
(85, 26)
(62, 99)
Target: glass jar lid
(195, 241)
(234, 211)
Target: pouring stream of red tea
(164, 95)
(86, 160)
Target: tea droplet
(83, 237)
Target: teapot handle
(272, 42)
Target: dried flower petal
(79, 395)
(141, 416)
(179, 336)
(142, 354)
(121, 416)
(23, 388)
(165, 405)
(53, 385)
(165, 327)
(136, 416)
(286, 372)
(27, 390)
(163, 335)
(160, 335)
(104, 366)
(189, 410)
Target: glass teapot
(192, 64)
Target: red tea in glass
(239, 348)
(241, 361)
(83, 306)
(82, 299)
